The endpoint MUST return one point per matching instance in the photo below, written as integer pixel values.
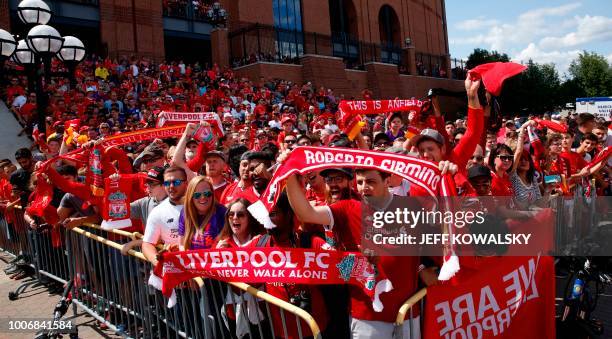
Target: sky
(546, 31)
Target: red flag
(555, 126)
(493, 74)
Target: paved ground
(37, 303)
(9, 127)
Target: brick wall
(268, 70)
(132, 28)
(5, 18)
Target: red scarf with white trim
(301, 160)
(351, 112)
(166, 118)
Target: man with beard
(243, 186)
(259, 165)
(162, 223)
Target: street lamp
(7, 46)
(41, 44)
(217, 15)
(34, 12)
(72, 52)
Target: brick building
(396, 48)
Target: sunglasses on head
(175, 182)
(199, 195)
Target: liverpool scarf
(422, 173)
(184, 117)
(267, 265)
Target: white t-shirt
(274, 123)
(19, 101)
(163, 223)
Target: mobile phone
(552, 179)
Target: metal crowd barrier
(112, 288)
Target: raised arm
(520, 145)
(179, 153)
(305, 212)
(475, 125)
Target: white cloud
(528, 26)
(474, 24)
(590, 29)
(561, 59)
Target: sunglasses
(505, 157)
(478, 157)
(150, 160)
(199, 195)
(290, 141)
(175, 182)
(336, 180)
(236, 214)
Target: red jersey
(401, 271)
(501, 187)
(233, 192)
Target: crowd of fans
(192, 195)
(180, 8)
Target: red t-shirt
(501, 187)
(26, 109)
(233, 192)
(401, 271)
(575, 160)
(282, 290)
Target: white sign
(601, 107)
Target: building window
(288, 24)
(389, 28)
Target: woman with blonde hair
(202, 218)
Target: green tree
(593, 74)
(483, 56)
(536, 90)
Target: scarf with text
(301, 160)
(116, 201)
(184, 117)
(351, 112)
(274, 265)
(495, 297)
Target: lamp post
(36, 51)
(217, 15)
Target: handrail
(131, 235)
(401, 315)
(309, 319)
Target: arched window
(389, 26)
(288, 24)
(343, 23)
(390, 37)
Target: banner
(501, 297)
(185, 117)
(274, 265)
(422, 173)
(143, 135)
(351, 112)
(304, 159)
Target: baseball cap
(285, 119)
(428, 134)
(344, 170)
(215, 154)
(396, 150)
(156, 174)
(478, 171)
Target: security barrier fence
(109, 281)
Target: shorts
(367, 329)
